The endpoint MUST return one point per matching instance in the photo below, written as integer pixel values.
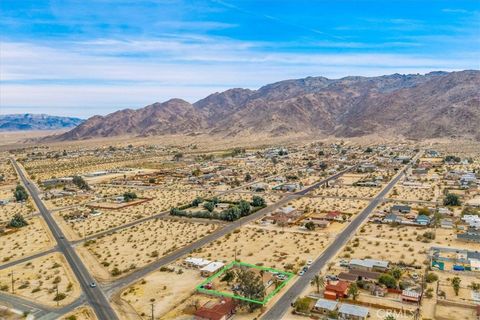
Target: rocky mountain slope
(438, 104)
(20, 122)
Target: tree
(389, 317)
(451, 200)
(196, 201)
(368, 150)
(456, 284)
(248, 177)
(388, 281)
(396, 273)
(232, 213)
(210, 206)
(475, 286)
(178, 156)
(151, 180)
(318, 282)
(323, 166)
(258, 201)
(80, 183)
(20, 193)
(244, 207)
(302, 305)
(353, 290)
(310, 226)
(431, 277)
(17, 221)
(250, 286)
(129, 196)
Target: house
(211, 268)
(222, 206)
(420, 171)
(196, 263)
(411, 295)
(213, 310)
(378, 290)
(338, 289)
(445, 211)
(423, 220)
(369, 264)
(325, 306)
(392, 218)
(362, 275)
(400, 209)
(446, 223)
(288, 187)
(471, 235)
(352, 312)
(472, 220)
(334, 216)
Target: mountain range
(434, 105)
(28, 121)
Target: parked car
(301, 273)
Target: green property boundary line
(234, 296)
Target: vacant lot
(168, 288)
(25, 241)
(137, 246)
(284, 250)
(38, 280)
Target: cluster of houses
(460, 259)
(402, 214)
(369, 272)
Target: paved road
(19, 303)
(94, 296)
(111, 288)
(25, 259)
(277, 311)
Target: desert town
(317, 230)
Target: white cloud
(112, 73)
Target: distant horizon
(80, 112)
(78, 56)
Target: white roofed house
(325, 306)
(211, 268)
(196, 262)
(369, 264)
(352, 312)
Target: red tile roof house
(334, 215)
(337, 290)
(216, 310)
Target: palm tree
(318, 282)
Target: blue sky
(94, 57)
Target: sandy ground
(168, 289)
(273, 248)
(82, 313)
(37, 280)
(142, 244)
(21, 243)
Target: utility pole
(152, 311)
(235, 259)
(57, 295)
(13, 281)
